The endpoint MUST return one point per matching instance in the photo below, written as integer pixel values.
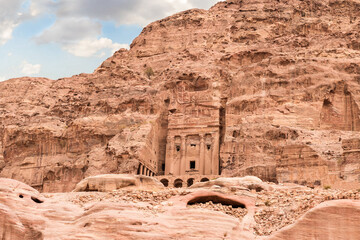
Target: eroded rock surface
(285, 212)
(330, 220)
(111, 182)
(265, 88)
(109, 215)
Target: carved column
(140, 168)
(1, 152)
(215, 154)
(208, 157)
(169, 160)
(183, 155)
(143, 170)
(202, 155)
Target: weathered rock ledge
(229, 212)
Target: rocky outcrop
(56, 217)
(264, 88)
(339, 110)
(111, 182)
(245, 183)
(286, 212)
(330, 220)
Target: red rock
(329, 220)
(261, 88)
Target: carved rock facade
(265, 88)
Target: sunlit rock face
(264, 88)
(121, 207)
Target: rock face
(57, 217)
(223, 213)
(265, 88)
(323, 222)
(111, 182)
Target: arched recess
(190, 182)
(216, 199)
(165, 182)
(178, 183)
(204, 180)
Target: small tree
(149, 72)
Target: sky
(61, 38)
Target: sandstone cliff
(283, 75)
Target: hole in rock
(36, 200)
(21, 196)
(204, 180)
(190, 182)
(165, 182)
(327, 102)
(216, 199)
(139, 170)
(87, 225)
(178, 148)
(192, 164)
(317, 183)
(208, 147)
(255, 187)
(235, 134)
(178, 183)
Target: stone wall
(350, 165)
(340, 110)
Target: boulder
(248, 182)
(111, 182)
(329, 220)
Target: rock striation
(112, 182)
(230, 212)
(327, 214)
(265, 88)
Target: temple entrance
(178, 183)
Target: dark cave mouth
(216, 199)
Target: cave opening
(178, 183)
(204, 180)
(327, 102)
(192, 164)
(36, 200)
(216, 199)
(190, 182)
(165, 182)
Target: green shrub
(327, 187)
(149, 72)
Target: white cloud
(6, 30)
(10, 54)
(2, 78)
(78, 28)
(70, 29)
(79, 36)
(139, 12)
(39, 7)
(30, 69)
(9, 18)
(89, 47)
